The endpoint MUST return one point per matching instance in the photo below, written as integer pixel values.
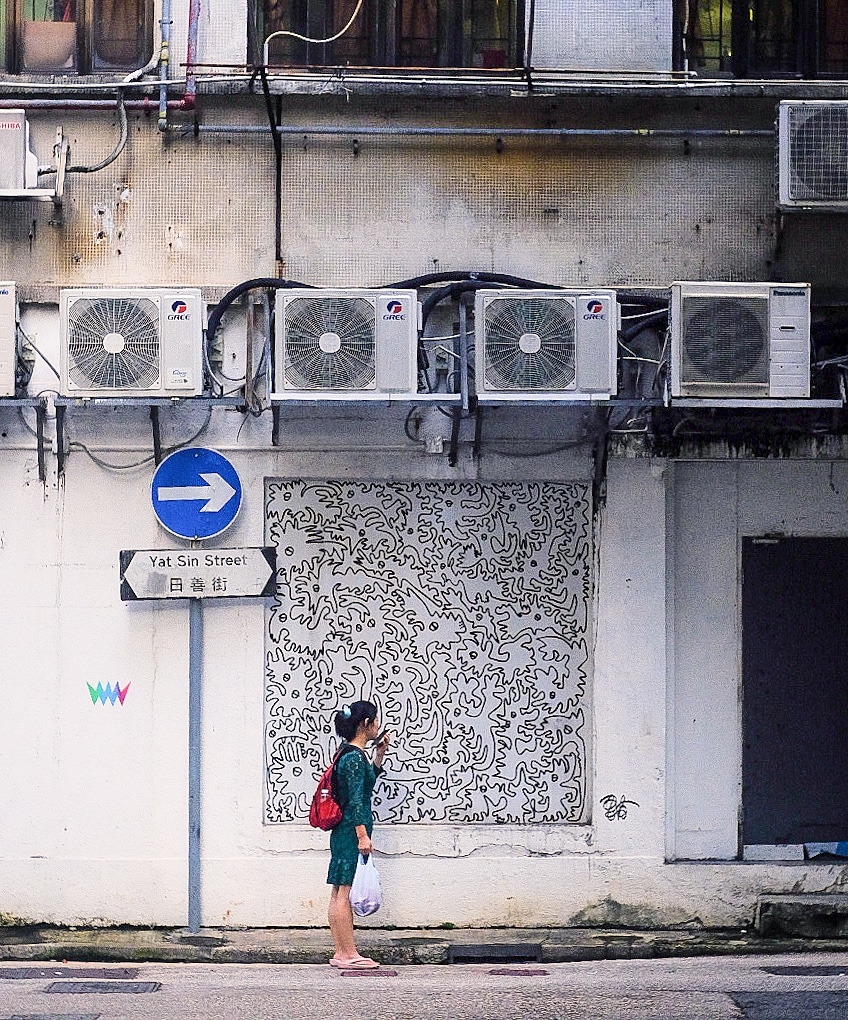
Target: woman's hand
(364, 844)
(381, 748)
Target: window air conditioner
(813, 155)
(131, 343)
(346, 343)
(8, 339)
(539, 344)
(740, 340)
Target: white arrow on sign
(217, 492)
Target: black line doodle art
(615, 808)
(464, 611)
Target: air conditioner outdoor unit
(8, 339)
(145, 342)
(813, 155)
(346, 344)
(740, 340)
(543, 344)
(18, 165)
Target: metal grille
(102, 987)
(530, 344)
(330, 343)
(818, 153)
(195, 213)
(200, 212)
(113, 343)
(725, 343)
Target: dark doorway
(794, 706)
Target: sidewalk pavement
(388, 945)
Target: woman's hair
(347, 721)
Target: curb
(412, 947)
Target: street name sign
(196, 493)
(198, 573)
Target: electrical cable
(48, 363)
(75, 444)
(406, 423)
(528, 50)
(307, 39)
(633, 331)
(640, 315)
(119, 148)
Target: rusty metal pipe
(191, 54)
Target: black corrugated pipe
(627, 297)
(459, 276)
(453, 290)
(268, 282)
(647, 320)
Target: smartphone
(380, 736)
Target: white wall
(94, 795)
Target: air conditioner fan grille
(529, 344)
(113, 343)
(330, 343)
(725, 340)
(818, 153)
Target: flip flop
(357, 963)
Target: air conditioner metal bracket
(153, 403)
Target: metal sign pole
(195, 676)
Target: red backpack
(325, 811)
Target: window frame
(383, 38)
(84, 51)
(807, 49)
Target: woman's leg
(340, 916)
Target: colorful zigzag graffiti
(107, 693)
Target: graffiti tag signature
(616, 808)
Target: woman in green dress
(353, 784)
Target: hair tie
(346, 711)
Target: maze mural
(463, 610)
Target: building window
(392, 33)
(82, 36)
(766, 38)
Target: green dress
(355, 778)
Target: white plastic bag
(365, 893)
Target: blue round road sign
(196, 493)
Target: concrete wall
(95, 794)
